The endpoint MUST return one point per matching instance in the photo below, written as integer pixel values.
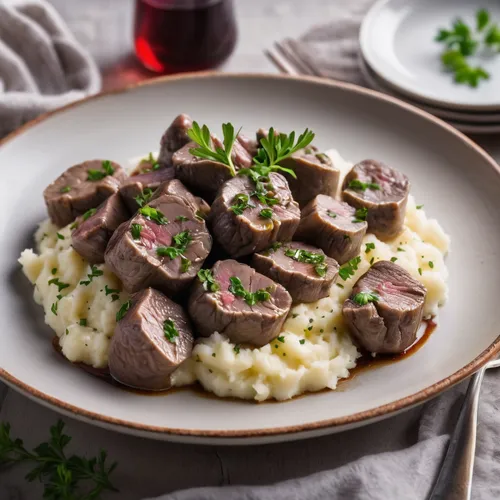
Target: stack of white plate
(399, 56)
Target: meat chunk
(150, 342)
(383, 191)
(238, 302)
(174, 138)
(305, 271)
(243, 224)
(93, 233)
(315, 173)
(138, 189)
(81, 188)
(336, 227)
(385, 309)
(163, 246)
(202, 177)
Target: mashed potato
(312, 353)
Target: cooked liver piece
(250, 232)
(305, 282)
(390, 324)
(230, 315)
(135, 185)
(329, 224)
(202, 177)
(136, 261)
(386, 205)
(140, 353)
(72, 194)
(92, 235)
(174, 138)
(315, 173)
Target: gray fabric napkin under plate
(42, 67)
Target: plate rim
(336, 422)
(363, 40)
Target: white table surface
(146, 467)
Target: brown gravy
(364, 363)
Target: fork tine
(280, 62)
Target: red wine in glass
(184, 35)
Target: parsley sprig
(97, 175)
(206, 149)
(349, 268)
(170, 331)
(180, 242)
(208, 280)
(154, 215)
(144, 198)
(251, 298)
(94, 273)
(240, 203)
(63, 477)
(363, 298)
(316, 259)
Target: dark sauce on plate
(364, 363)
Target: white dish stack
(399, 56)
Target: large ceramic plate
(456, 180)
(397, 41)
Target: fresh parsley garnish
(431, 264)
(123, 310)
(349, 268)
(357, 185)
(145, 197)
(240, 203)
(369, 247)
(94, 273)
(360, 215)
(135, 230)
(181, 218)
(83, 322)
(170, 331)
(53, 308)
(394, 259)
(153, 214)
(65, 189)
(266, 213)
(236, 349)
(316, 259)
(89, 213)
(63, 477)
(251, 298)
(179, 245)
(331, 214)
(206, 148)
(419, 207)
(60, 285)
(420, 271)
(302, 341)
(363, 298)
(401, 249)
(97, 175)
(110, 291)
(54, 270)
(152, 161)
(60, 236)
(208, 280)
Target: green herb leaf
(65, 189)
(208, 280)
(89, 213)
(348, 269)
(316, 259)
(363, 298)
(357, 185)
(360, 215)
(179, 245)
(281, 339)
(123, 310)
(170, 331)
(240, 203)
(153, 214)
(369, 247)
(136, 231)
(419, 207)
(53, 308)
(60, 236)
(145, 197)
(60, 285)
(94, 273)
(331, 214)
(394, 259)
(110, 291)
(266, 213)
(83, 322)
(431, 264)
(181, 218)
(420, 271)
(236, 349)
(54, 270)
(482, 19)
(251, 298)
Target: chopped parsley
(136, 231)
(348, 269)
(94, 273)
(60, 285)
(208, 280)
(294, 315)
(144, 198)
(420, 271)
(54, 308)
(431, 264)
(394, 259)
(60, 236)
(360, 215)
(236, 349)
(74, 225)
(180, 243)
(369, 247)
(89, 213)
(181, 218)
(54, 270)
(340, 285)
(251, 298)
(154, 164)
(171, 333)
(372, 260)
(363, 298)
(123, 310)
(281, 339)
(316, 259)
(266, 213)
(240, 203)
(97, 175)
(302, 341)
(419, 207)
(331, 214)
(154, 215)
(83, 322)
(65, 189)
(357, 185)
(110, 291)
(401, 249)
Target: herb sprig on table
(63, 477)
(462, 41)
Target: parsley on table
(348, 269)
(208, 280)
(170, 331)
(363, 298)
(251, 298)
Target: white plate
(397, 41)
(465, 122)
(455, 179)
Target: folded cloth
(42, 66)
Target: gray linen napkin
(42, 67)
